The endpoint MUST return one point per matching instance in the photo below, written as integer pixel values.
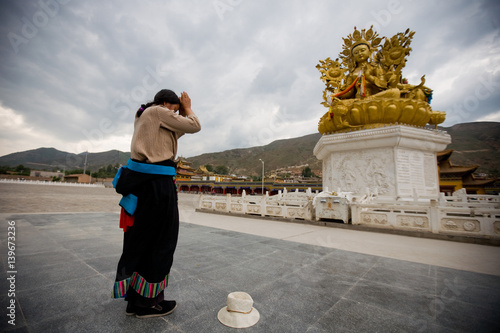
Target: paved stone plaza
(302, 278)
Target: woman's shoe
(131, 309)
(162, 309)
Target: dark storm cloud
(73, 73)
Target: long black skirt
(149, 245)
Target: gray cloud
(73, 73)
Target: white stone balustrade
(476, 216)
(290, 205)
(461, 214)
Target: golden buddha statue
(365, 88)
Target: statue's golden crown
(367, 37)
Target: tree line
(224, 170)
(103, 172)
(110, 170)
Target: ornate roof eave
(455, 169)
(479, 182)
(186, 173)
(444, 155)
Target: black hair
(162, 96)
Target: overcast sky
(73, 73)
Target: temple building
(189, 180)
(454, 177)
(184, 170)
(78, 178)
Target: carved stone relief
(273, 210)
(421, 222)
(253, 209)
(296, 212)
(356, 171)
(451, 224)
(370, 218)
(236, 207)
(220, 205)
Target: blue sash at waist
(129, 202)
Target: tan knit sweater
(156, 132)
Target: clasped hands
(185, 107)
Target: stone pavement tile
(291, 297)
(412, 268)
(225, 238)
(314, 329)
(18, 224)
(47, 275)
(37, 260)
(316, 278)
(74, 300)
(207, 241)
(481, 290)
(105, 322)
(269, 322)
(296, 287)
(393, 299)
(273, 321)
(465, 278)
(313, 249)
(235, 278)
(32, 240)
(96, 249)
(357, 316)
(4, 283)
(198, 264)
(258, 249)
(232, 240)
(37, 243)
(400, 278)
(201, 247)
(474, 295)
(104, 265)
(274, 267)
(232, 257)
(19, 320)
(66, 234)
(465, 317)
(17, 329)
(91, 311)
(339, 263)
(194, 297)
(293, 253)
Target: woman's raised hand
(185, 108)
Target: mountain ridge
(475, 143)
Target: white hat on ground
(239, 312)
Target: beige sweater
(156, 132)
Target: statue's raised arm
(365, 87)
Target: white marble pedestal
(395, 162)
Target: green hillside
(51, 158)
(475, 143)
(278, 154)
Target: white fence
(40, 182)
(292, 205)
(463, 215)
